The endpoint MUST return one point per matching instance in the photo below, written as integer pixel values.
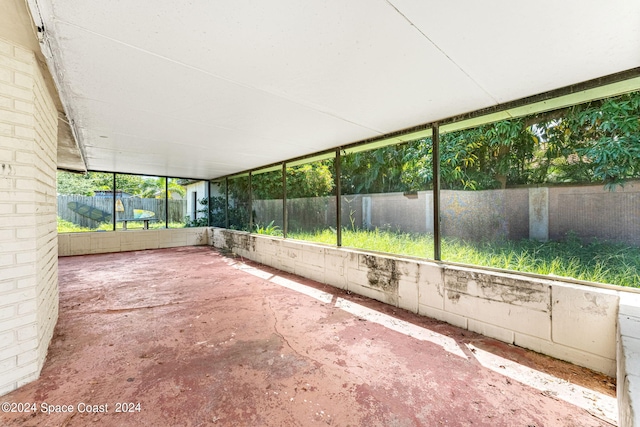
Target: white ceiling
(207, 88)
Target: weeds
(594, 262)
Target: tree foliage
(136, 185)
(596, 142)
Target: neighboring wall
(28, 237)
(595, 212)
(541, 213)
(97, 242)
(570, 322)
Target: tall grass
(594, 262)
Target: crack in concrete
(128, 309)
(277, 332)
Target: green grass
(69, 227)
(594, 262)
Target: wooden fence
(177, 209)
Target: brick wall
(28, 238)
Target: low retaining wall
(629, 360)
(98, 242)
(575, 323)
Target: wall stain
(382, 273)
(454, 297)
(498, 288)
(598, 305)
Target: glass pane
(239, 205)
(557, 193)
(311, 202)
(192, 206)
(267, 202)
(387, 199)
(140, 202)
(218, 204)
(85, 201)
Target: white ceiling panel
(515, 49)
(207, 88)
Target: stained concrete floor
(190, 337)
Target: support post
(338, 171)
(285, 216)
(435, 139)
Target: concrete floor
(191, 337)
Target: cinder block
(27, 332)
(6, 76)
(26, 282)
(357, 277)
(105, 242)
(27, 307)
(24, 257)
(452, 319)
(7, 235)
(24, 132)
(491, 331)
(629, 326)
(17, 271)
(23, 55)
(79, 243)
(17, 348)
(312, 272)
(388, 298)
(27, 357)
(6, 259)
(7, 312)
(431, 286)
(28, 158)
(7, 285)
(32, 373)
(508, 288)
(6, 129)
(408, 294)
(6, 49)
(23, 374)
(12, 63)
(630, 355)
(629, 304)
(313, 255)
(25, 233)
(500, 314)
(585, 319)
(7, 365)
(22, 80)
(7, 338)
(291, 250)
(581, 358)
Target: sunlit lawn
(595, 262)
(70, 227)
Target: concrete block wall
(28, 238)
(98, 242)
(629, 361)
(570, 322)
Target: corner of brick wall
(28, 236)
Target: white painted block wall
(28, 237)
(98, 242)
(575, 323)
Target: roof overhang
(207, 89)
